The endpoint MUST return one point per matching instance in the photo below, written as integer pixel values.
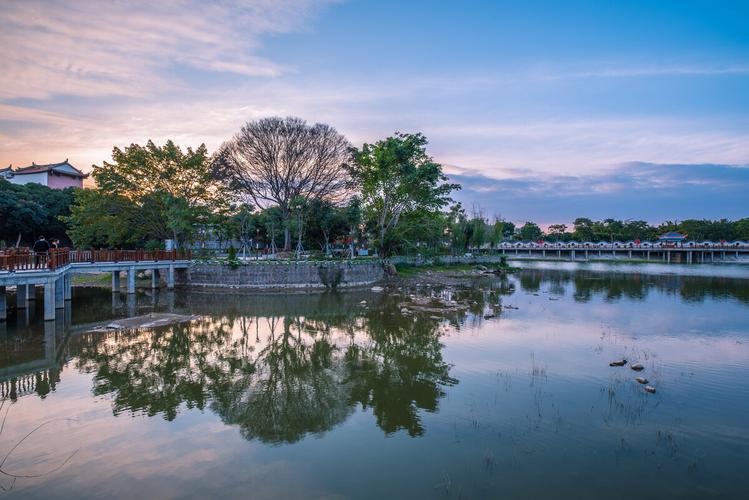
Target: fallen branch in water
(28, 435)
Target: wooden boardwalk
(54, 272)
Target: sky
(543, 111)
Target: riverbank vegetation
(283, 186)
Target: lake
(320, 395)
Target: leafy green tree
(30, 210)
(153, 192)
(396, 176)
(326, 222)
(741, 228)
(458, 228)
(100, 220)
(530, 232)
(138, 171)
(557, 231)
(583, 229)
(479, 232)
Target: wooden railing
(59, 257)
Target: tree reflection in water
(277, 378)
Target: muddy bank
(151, 320)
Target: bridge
(689, 253)
(54, 273)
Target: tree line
(279, 183)
(287, 185)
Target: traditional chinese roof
(62, 168)
(672, 236)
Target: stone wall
(448, 259)
(283, 274)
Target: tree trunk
(286, 239)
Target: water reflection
(501, 405)
(277, 378)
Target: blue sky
(542, 110)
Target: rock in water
(650, 389)
(637, 367)
(641, 380)
(620, 362)
(377, 289)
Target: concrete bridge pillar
(668, 256)
(154, 279)
(68, 282)
(22, 297)
(132, 309)
(3, 305)
(131, 280)
(49, 300)
(50, 340)
(572, 253)
(647, 255)
(115, 281)
(170, 278)
(59, 292)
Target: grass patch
(102, 278)
(409, 270)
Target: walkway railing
(55, 258)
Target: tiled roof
(671, 235)
(35, 169)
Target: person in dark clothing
(41, 249)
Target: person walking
(41, 250)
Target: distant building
(672, 238)
(55, 175)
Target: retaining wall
(282, 275)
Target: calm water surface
(319, 396)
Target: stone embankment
(284, 274)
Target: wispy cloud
(127, 47)
(654, 192)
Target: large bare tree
(274, 160)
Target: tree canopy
(396, 177)
(274, 161)
(31, 210)
(146, 195)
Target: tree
(138, 171)
(276, 160)
(557, 231)
(583, 229)
(396, 176)
(741, 228)
(325, 222)
(496, 232)
(246, 225)
(530, 232)
(101, 220)
(174, 190)
(353, 215)
(30, 210)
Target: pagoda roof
(673, 236)
(63, 167)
